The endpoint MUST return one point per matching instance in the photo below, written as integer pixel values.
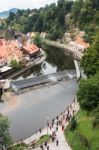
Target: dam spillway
(53, 77)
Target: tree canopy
(90, 60)
(4, 131)
(52, 18)
(88, 93)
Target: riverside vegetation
(86, 133)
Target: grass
(43, 139)
(22, 146)
(18, 147)
(84, 135)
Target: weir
(50, 78)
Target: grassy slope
(85, 129)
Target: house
(31, 50)
(9, 50)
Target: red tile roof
(31, 48)
(9, 48)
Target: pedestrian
(47, 147)
(53, 138)
(45, 143)
(62, 127)
(57, 123)
(50, 127)
(57, 128)
(53, 120)
(33, 144)
(57, 142)
(57, 117)
(40, 130)
(52, 124)
(73, 112)
(41, 147)
(48, 124)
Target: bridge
(66, 47)
(43, 79)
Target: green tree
(96, 117)
(88, 93)
(5, 139)
(37, 40)
(90, 60)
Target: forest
(56, 19)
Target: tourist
(62, 127)
(53, 138)
(57, 117)
(57, 142)
(50, 127)
(45, 143)
(52, 124)
(41, 147)
(33, 144)
(53, 120)
(47, 147)
(57, 128)
(40, 130)
(57, 123)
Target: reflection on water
(28, 111)
(56, 61)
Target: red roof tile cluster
(31, 48)
(9, 48)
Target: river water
(28, 112)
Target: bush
(73, 123)
(15, 64)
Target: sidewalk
(63, 145)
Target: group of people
(53, 126)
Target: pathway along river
(28, 112)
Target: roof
(31, 48)
(9, 49)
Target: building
(9, 50)
(31, 50)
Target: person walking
(40, 130)
(47, 147)
(45, 144)
(57, 128)
(53, 120)
(41, 147)
(57, 142)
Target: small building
(31, 50)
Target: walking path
(62, 124)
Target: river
(28, 112)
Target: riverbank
(77, 54)
(85, 136)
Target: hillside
(5, 14)
(56, 19)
